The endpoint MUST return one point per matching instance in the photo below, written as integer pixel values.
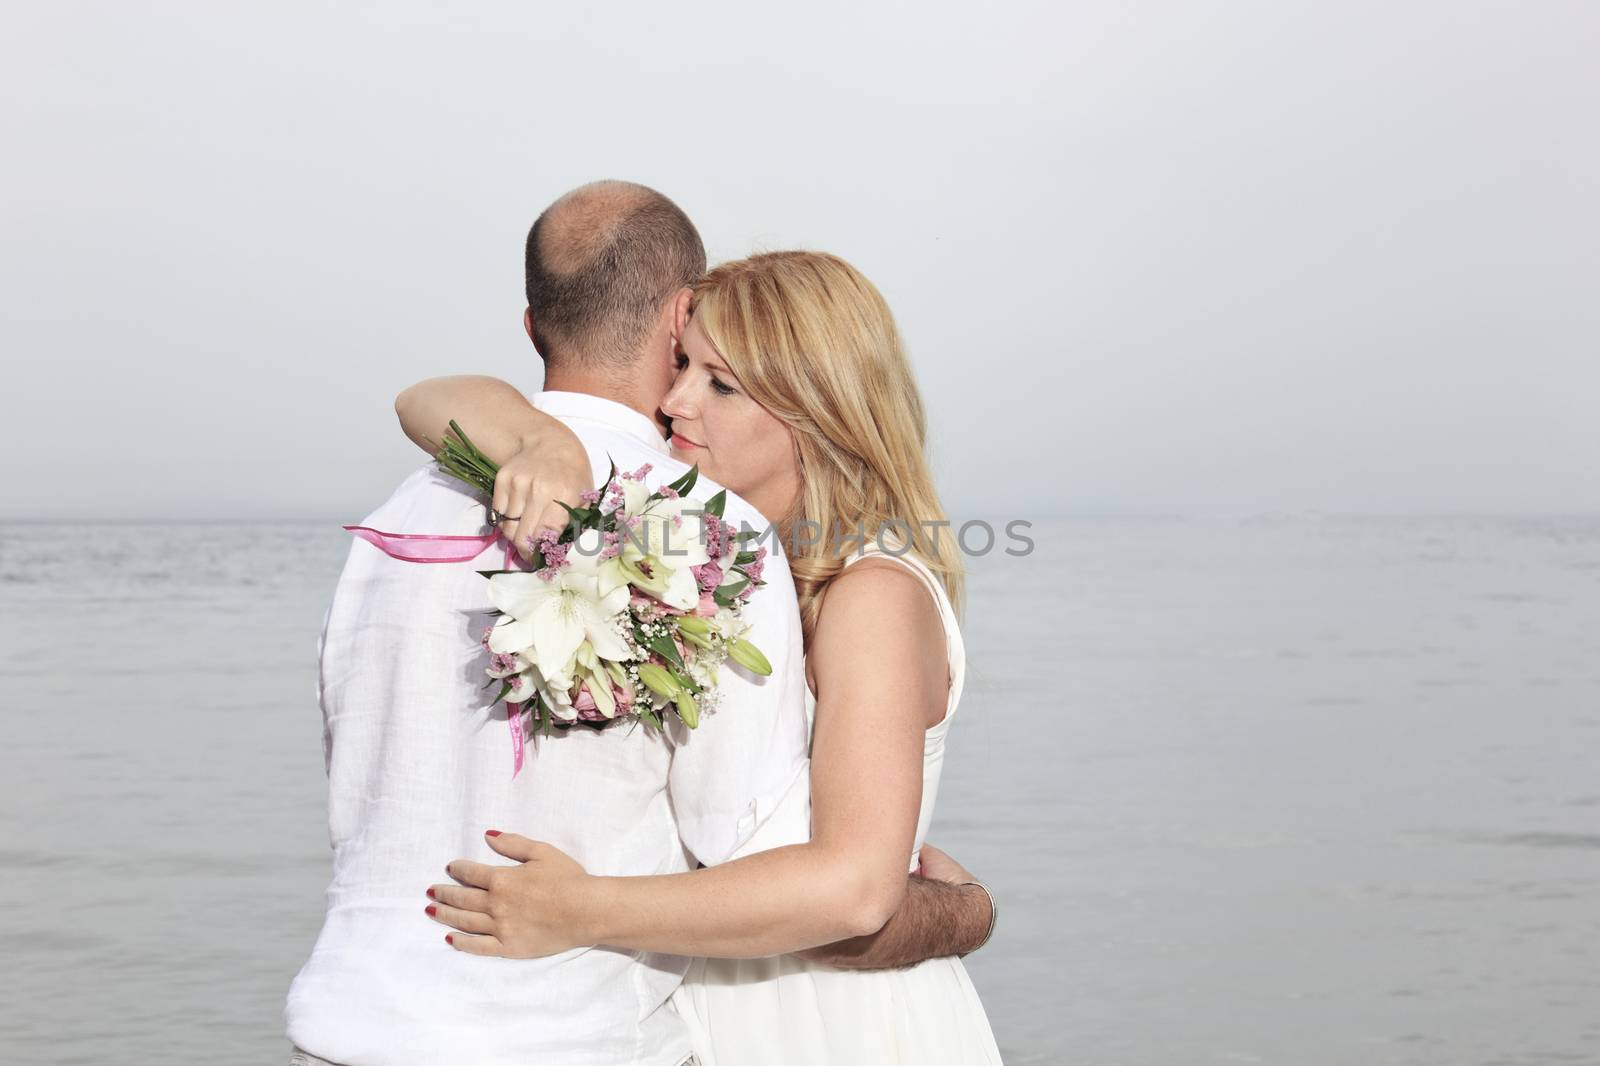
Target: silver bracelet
(994, 914)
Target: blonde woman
(792, 390)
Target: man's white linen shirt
(419, 765)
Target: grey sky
(1148, 257)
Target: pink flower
(707, 607)
(501, 666)
(555, 555)
(753, 569)
(708, 575)
(717, 534)
(589, 711)
(646, 608)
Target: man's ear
(527, 324)
(680, 311)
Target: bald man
(417, 767)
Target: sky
(1230, 258)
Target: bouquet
(629, 611)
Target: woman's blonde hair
(812, 341)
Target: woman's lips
(684, 442)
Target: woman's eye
(721, 389)
(680, 360)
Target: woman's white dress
(786, 1010)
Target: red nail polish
(431, 895)
(494, 832)
(431, 909)
(448, 939)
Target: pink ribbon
(428, 548)
(442, 548)
(514, 720)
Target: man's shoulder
(430, 501)
(609, 447)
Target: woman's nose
(676, 403)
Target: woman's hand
(549, 468)
(541, 460)
(526, 911)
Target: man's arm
(939, 916)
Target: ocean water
(1288, 790)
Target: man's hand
(526, 911)
(937, 917)
(939, 866)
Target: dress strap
(911, 562)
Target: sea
(1296, 789)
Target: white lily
(669, 537)
(556, 693)
(599, 685)
(547, 621)
(524, 687)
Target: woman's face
(732, 438)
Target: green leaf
(716, 504)
(744, 558)
(684, 683)
(726, 594)
(686, 482)
(662, 645)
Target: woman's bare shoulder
(879, 607)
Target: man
(417, 768)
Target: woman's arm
(494, 413)
(944, 913)
(541, 460)
(878, 655)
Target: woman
(793, 391)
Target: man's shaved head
(600, 261)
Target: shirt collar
(589, 408)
